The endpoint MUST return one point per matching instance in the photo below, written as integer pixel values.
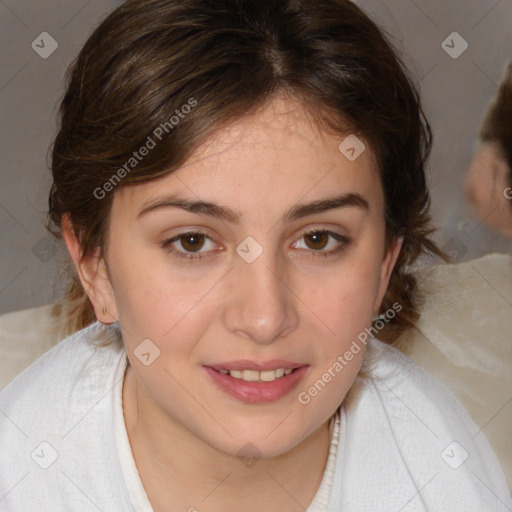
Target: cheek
(345, 296)
(345, 312)
(157, 300)
(343, 302)
(344, 308)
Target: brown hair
(148, 59)
(497, 123)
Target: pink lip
(257, 392)
(246, 364)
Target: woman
(241, 189)
(489, 179)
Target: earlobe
(93, 275)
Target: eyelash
(343, 241)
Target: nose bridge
(261, 307)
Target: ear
(388, 264)
(92, 272)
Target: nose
(261, 305)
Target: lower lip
(257, 392)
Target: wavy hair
(148, 58)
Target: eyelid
(336, 230)
(320, 229)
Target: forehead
(274, 157)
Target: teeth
(268, 376)
(255, 376)
(250, 375)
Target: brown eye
(192, 242)
(322, 243)
(191, 245)
(317, 240)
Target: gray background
(455, 94)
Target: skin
(488, 188)
(292, 302)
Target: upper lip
(245, 364)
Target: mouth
(256, 383)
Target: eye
(322, 241)
(189, 245)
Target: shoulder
(80, 358)
(395, 378)
(56, 423)
(410, 394)
(418, 441)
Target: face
(488, 188)
(264, 252)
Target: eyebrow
(221, 212)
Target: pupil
(192, 242)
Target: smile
(270, 382)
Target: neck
(178, 468)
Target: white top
(401, 442)
(136, 491)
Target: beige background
(455, 93)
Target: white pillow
(26, 335)
(464, 339)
